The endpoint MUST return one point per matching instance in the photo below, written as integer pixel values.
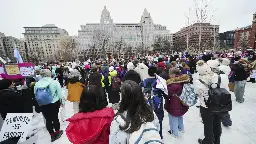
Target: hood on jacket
(91, 127)
(43, 82)
(178, 79)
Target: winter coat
(90, 127)
(212, 78)
(240, 74)
(173, 104)
(75, 89)
(12, 101)
(54, 87)
(118, 136)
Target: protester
(114, 88)
(154, 96)
(92, 124)
(59, 75)
(240, 77)
(75, 88)
(173, 105)
(50, 111)
(133, 115)
(97, 79)
(13, 101)
(211, 121)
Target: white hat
(202, 68)
(130, 66)
(213, 63)
(111, 68)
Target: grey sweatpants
(239, 90)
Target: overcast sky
(70, 14)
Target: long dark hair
(133, 101)
(91, 99)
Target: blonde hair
(46, 73)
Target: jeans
(50, 113)
(212, 126)
(176, 124)
(239, 90)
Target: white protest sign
(27, 71)
(16, 125)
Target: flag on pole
(2, 60)
(17, 55)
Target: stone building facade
(7, 45)
(113, 36)
(245, 38)
(190, 35)
(43, 42)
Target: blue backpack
(43, 96)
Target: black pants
(50, 113)
(212, 126)
(61, 81)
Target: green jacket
(54, 86)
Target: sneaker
(200, 141)
(170, 132)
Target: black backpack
(219, 98)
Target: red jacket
(173, 104)
(91, 127)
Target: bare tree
(68, 49)
(100, 40)
(202, 13)
(243, 42)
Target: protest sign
(12, 69)
(27, 71)
(16, 125)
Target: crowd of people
(116, 101)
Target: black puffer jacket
(12, 101)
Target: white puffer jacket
(202, 90)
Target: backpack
(147, 134)
(219, 98)
(154, 101)
(188, 96)
(115, 83)
(43, 96)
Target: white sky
(70, 14)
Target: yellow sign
(12, 69)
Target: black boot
(253, 80)
(56, 135)
(217, 140)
